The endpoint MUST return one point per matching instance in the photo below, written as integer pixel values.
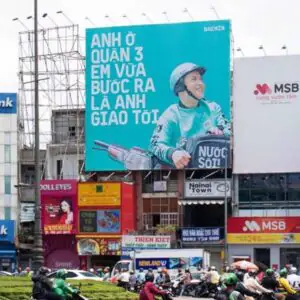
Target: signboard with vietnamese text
(99, 194)
(203, 234)
(260, 230)
(146, 242)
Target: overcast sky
(272, 23)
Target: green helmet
(177, 77)
(270, 272)
(230, 279)
(61, 274)
(283, 272)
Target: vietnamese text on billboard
(158, 96)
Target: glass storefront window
(290, 256)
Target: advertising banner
(59, 206)
(27, 212)
(100, 221)
(99, 194)
(145, 242)
(7, 231)
(99, 246)
(269, 230)
(158, 96)
(266, 114)
(207, 189)
(8, 103)
(212, 234)
(128, 207)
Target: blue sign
(203, 234)
(152, 91)
(8, 103)
(7, 231)
(152, 263)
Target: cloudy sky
(254, 22)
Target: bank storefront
(273, 241)
(7, 246)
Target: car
(4, 273)
(77, 275)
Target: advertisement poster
(266, 114)
(158, 96)
(100, 221)
(99, 194)
(259, 230)
(95, 246)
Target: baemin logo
(262, 89)
(251, 226)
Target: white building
(8, 156)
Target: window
(71, 275)
(7, 156)
(7, 140)
(59, 165)
(72, 131)
(7, 185)
(7, 213)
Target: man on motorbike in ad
(61, 288)
(192, 115)
(42, 286)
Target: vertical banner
(59, 206)
(128, 207)
(158, 96)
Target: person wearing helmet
(253, 285)
(42, 286)
(185, 280)
(140, 276)
(149, 290)
(159, 278)
(123, 280)
(284, 284)
(132, 280)
(293, 278)
(60, 287)
(270, 282)
(240, 286)
(229, 292)
(192, 115)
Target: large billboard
(259, 230)
(158, 96)
(266, 114)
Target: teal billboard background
(128, 86)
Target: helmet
(159, 270)
(252, 273)
(92, 270)
(270, 272)
(283, 272)
(43, 270)
(240, 275)
(177, 77)
(187, 270)
(131, 272)
(141, 270)
(293, 270)
(213, 268)
(149, 277)
(61, 274)
(230, 279)
(150, 271)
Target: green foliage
(19, 288)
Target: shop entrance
(290, 256)
(262, 255)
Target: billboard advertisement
(99, 194)
(105, 221)
(7, 231)
(59, 206)
(158, 96)
(99, 246)
(266, 114)
(207, 188)
(258, 230)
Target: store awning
(200, 202)
(7, 253)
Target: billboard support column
(235, 198)
(38, 243)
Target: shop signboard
(263, 230)
(7, 231)
(99, 194)
(202, 234)
(98, 246)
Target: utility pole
(38, 259)
(226, 209)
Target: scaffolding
(61, 88)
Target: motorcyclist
(100, 273)
(213, 278)
(106, 274)
(60, 287)
(150, 290)
(132, 279)
(284, 284)
(42, 286)
(166, 276)
(229, 293)
(270, 282)
(186, 280)
(141, 276)
(293, 278)
(240, 286)
(159, 278)
(123, 280)
(253, 285)
(192, 115)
